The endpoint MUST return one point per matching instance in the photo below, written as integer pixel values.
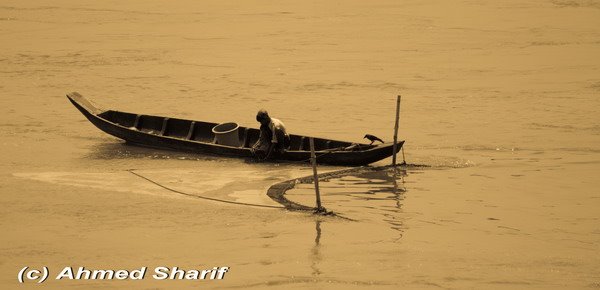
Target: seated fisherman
(273, 136)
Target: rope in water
(202, 197)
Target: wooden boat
(197, 137)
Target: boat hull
(197, 137)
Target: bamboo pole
(313, 161)
(403, 157)
(396, 130)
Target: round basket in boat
(227, 134)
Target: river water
(500, 106)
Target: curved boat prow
(83, 104)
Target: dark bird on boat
(372, 138)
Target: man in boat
(273, 136)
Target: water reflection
(316, 251)
(123, 150)
(375, 195)
(398, 190)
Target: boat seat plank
(243, 135)
(136, 122)
(203, 132)
(151, 124)
(190, 133)
(176, 128)
(295, 142)
(163, 130)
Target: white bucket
(227, 134)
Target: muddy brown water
(499, 99)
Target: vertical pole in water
(403, 157)
(396, 131)
(313, 161)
